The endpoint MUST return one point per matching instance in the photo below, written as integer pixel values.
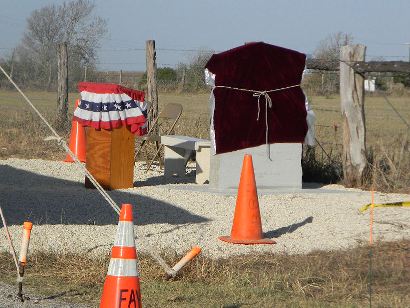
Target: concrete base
(282, 170)
(203, 154)
(177, 152)
(175, 161)
(306, 189)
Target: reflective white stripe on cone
(125, 234)
(122, 285)
(123, 268)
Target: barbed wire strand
(396, 111)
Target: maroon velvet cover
(257, 66)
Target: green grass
(319, 279)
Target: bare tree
(72, 22)
(328, 50)
(192, 72)
(62, 89)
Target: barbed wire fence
(320, 85)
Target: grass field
(382, 122)
(319, 279)
(388, 138)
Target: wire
(324, 109)
(66, 148)
(12, 250)
(395, 110)
(187, 50)
(379, 56)
(77, 161)
(121, 49)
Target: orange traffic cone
(247, 225)
(122, 285)
(77, 140)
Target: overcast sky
(180, 27)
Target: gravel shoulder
(8, 299)
(168, 216)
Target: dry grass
(389, 166)
(319, 279)
(23, 136)
(22, 133)
(388, 138)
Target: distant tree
(166, 78)
(402, 78)
(167, 74)
(187, 77)
(192, 73)
(4, 62)
(328, 50)
(71, 22)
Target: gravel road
(174, 216)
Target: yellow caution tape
(404, 203)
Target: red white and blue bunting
(109, 106)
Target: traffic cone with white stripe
(122, 284)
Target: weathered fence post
(182, 83)
(12, 63)
(152, 93)
(62, 88)
(352, 107)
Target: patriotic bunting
(108, 106)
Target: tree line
(33, 63)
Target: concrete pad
(262, 191)
(282, 169)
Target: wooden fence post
(352, 107)
(62, 88)
(182, 83)
(12, 63)
(120, 76)
(152, 93)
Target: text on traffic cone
(122, 285)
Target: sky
(181, 28)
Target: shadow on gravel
(161, 180)
(288, 229)
(46, 200)
(311, 185)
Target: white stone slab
(177, 152)
(282, 170)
